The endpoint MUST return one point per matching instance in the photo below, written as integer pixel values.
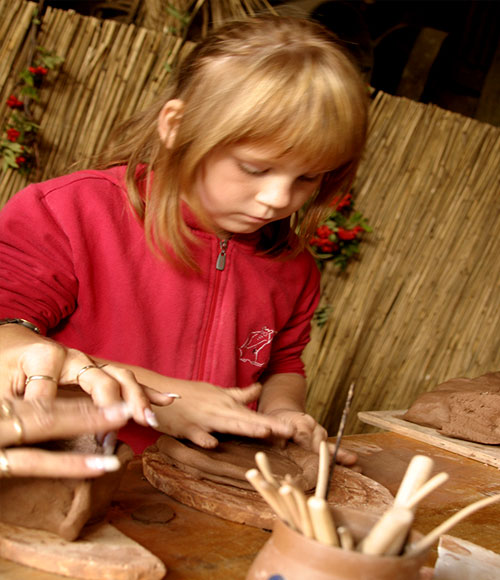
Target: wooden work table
(198, 546)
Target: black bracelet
(20, 321)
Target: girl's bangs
(313, 122)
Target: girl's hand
(33, 366)
(205, 408)
(308, 433)
(23, 421)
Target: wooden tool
(323, 471)
(427, 541)
(417, 473)
(388, 535)
(426, 489)
(263, 464)
(340, 433)
(322, 521)
(269, 493)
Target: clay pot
(289, 555)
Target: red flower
(323, 232)
(12, 135)
(20, 160)
(14, 103)
(339, 204)
(344, 234)
(38, 71)
(328, 246)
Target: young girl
(181, 261)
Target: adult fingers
(27, 462)
(42, 363)
(44, 419)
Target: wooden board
(391, 421)
(246, 506)
(102, 552)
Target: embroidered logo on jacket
(251, 349)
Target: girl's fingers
(246, 395)
(344, 456)
(158, 398)
(27, 462)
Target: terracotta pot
(289, 555)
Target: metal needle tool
(340, 432)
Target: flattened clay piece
(153, 513)
(232, 458)
(102, 551)
(218, 496)
(463, 408)
(61, 506)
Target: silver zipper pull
(221, 258)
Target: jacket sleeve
(291, 340)
(37, 280)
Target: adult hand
(205, 408)
(33, 366)
(33, 421)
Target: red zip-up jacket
(75, 262)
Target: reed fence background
(422, 304)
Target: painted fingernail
(118, 411)
(174, 395)
(99, 463)
(151, 419)
(109, 443)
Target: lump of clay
(464, 408)
(61, 506)
(233, 457)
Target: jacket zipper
(220, 264)
(221, 258)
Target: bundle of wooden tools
(312, 517)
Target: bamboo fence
(422, 304)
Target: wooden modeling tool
(340, 433)
(305, 518)
(428, 487)
(345, 538)
(323, 471)
(286, 493)
(427, 541)
(269, 493)
(263, 464)
(388, 535)
(417, 473)
(322, 521)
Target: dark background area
(444, 52)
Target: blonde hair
(278, 81)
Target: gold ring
(4, 465)
(39, 378)
(6, 409)
(84, 370)
(7, 413)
